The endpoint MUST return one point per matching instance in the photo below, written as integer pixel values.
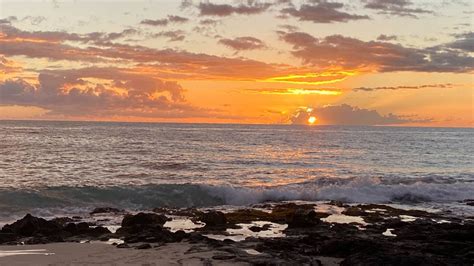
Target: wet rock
(146, 227)
(62, 220)
(179, 235)
(143, 246)
(7, 237)
(144, 219)
(302, 218)
(30, 225)
(84, 229)
(469, 202)
(223, 257)
(105, 210)
(123, 245)
(213, 218)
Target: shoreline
(272, 233)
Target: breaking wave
(359, 190)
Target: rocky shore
(273, 234)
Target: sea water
(53, 168)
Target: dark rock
(144, 219)
(179, 235)
(223, 257)
(7, 237)
(469, 202)
(106, 210)
(213, 218)
(123, 245)
(144, 246)
(302, 218)
(84, 229)
(62, 220)
(256, 229)
(98, 231)
(30, 225)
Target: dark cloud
(70, 92)
(8, 20)
(34, 20)
(165, 21)
(168, 63)
(396, 7)
(347, 115)
(243, 43)
(320, 11)
(11, 32)
(383, 37)
(465, 42)
(340, 51)
(222, 10)
(209, 22)
(428, 86)
(172, 36)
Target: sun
(312, 120)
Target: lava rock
(105, 210)
(213, 218)
(144, 246)
(302, 218)
(144, 219)
(30, 225)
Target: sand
(104, 254)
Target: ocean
(62, 168)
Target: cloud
(395, 8)
(351, 53)
(173, 36)
(8, 20)
(465, 42)
(209, 22)
(166, 63)
(321, 11)
(243, 43)
(165, 21)
(428, 86)
(347, 115)
(77, 92)
(34, 20)
(222, 10)
(14, 35)
(8, 66)
(383, 37)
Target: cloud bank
(347, 115)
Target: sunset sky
(368, 62)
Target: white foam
(344, 219)
(389, 233)
(182, 223)
(360, 190)
(240, 234)
(6, 253)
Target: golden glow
(309, 91)
(312, 120)
(292, 91)
(314, 78)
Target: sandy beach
(105, 254)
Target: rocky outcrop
(34, 230)
(213, 218)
